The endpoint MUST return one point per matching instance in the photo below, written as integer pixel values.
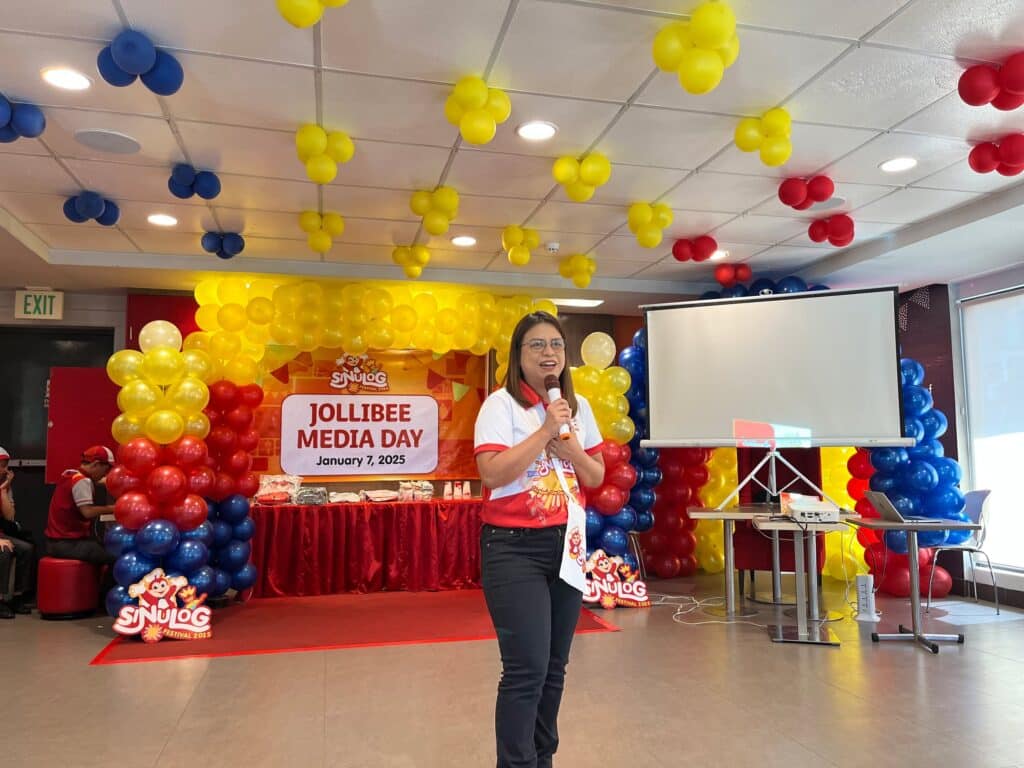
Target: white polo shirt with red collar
(535, 499)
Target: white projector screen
(806, 369)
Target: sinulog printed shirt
(535, 499)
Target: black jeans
(21, 561)
(534, 614)
(89, 550)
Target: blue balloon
(959, 537)
(637, 395)
(645, 457)
(912, 427)
(943, 498)
(166, 76)
(595, 524)
(633, 360)
(5, 111)
(203, 533)
(614, 540)
(118, 539)
(935, 424)
(212, 509)
(244, 577)
(949, 470)
(180, 190)
(117, 598)
(111, 214)
(222, 254)
(190, 556)
(911, 372)
(762, 287)
(27, 120)
(640, 339)
(112, 73)
(931, 538)
(710, 295)
(896, 541)
(819, 287)
(906, 504)
(884, 482)
(921, 476)
(926, 450)
(625, 519)
(8, 134)
(207, 185)
(244, 530)
(211, 242)
(71, 211)
(133, 52)
(131, 567)
(644, 522)
(157, 538)
(234, 509)
(221, 533)
(630, 559)
(734, 292)
(791, 284)
(640, 415)
(183, 174)
(916, 400)
(203, 580)
(221, 582)
(234, 555)
(641, 499)
(650, 476)
(89, 204)
(885, 459)
(234, 243)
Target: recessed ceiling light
(898, 164)
(110, 142)
(578, 303)
(719, 255)
(537, 130)
(464, 241)
(66, 78)
(162, 220)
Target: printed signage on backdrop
(159, 615)
(378, 416)
(612, 582)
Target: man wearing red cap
(69, 527)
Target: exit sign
(38, 305)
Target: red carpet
(284, 625)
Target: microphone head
(551, 382)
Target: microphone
(554, 388)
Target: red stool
(67, 589)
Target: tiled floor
(656, 694)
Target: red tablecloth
(323, 550)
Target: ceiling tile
(610, 51)
(488, 239)
(666, 138)
(980, 29)
(461, 259)
(32, 173)
(276, 248)
(960, 176)
(579, 217)
(814, 146)
(491, 211)
(786, 258)
(632, 183)
(386, 109)
(953, 118)
(192, 219)
(357, 253)
(232, 27)
(875, 88)
(709, 191)
(88, 236)
(861, 165)
(768, 230)
(158, 145)
(906, 205)
(275, 96)
(404, 166)
(670, 269)
(272, 224)
(854, 195)
(770, 67)
(378, 232)
(121, 182)
(366, 202)
(33, 208)
(95, 19)
(246, 151)
(617, 268)
(540, 264)
(579, 123)
(266, 194)
(153, 240)
(490, 173)
(568, 242)
(694, 223)
(23, 147)
(626, 248)
(401, 37)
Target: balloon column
(844, 554)
(19, 120)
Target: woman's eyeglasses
(538, 345)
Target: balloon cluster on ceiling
(801, 194)
(648, 222)
(438, 208)
(411, 258)
(476, 109)
(185, 181)
(770, 134)
(580, 178)
(226, 245)
(838, 230)
(321, 229)
(132, 55)
(698, 249)
(699, 51)
(20, 120)
(321, 151)
(1005, 156)
(579, 268)
(728, 275)
(91, 205)
(1001, 87)
(518, 242)
(306, 13)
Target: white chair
(975, 510)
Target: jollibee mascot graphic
(157, 589)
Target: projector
(805, 510)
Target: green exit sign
(38, 305)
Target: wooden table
(912, 528)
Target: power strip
(814, 515)
(866, 598)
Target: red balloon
(743, 272)
(1007, 102)
(856, 488)
(682, 545)
(609, 499)
(696, 475)
(941, 585)
(671, 522)
(820, 189)
(1009, 170)
(807, 203)
(248, 484)
(120, 480)
(689, 524)
(896, 581)
(793, 191)
(187, 514)
(840, 226)
(223, 486)
(866, 537)
(166, 484)
(667, 566)
(249, 440)
(692, 455)
(213, 415)
(1011, 149)
(675, 494)
(655, 542)
(133, 510)
(978, 85)
(704, 247)
(239, 419)
(139, 455)
(222, 440)
(625, 452)
(840, 242)
(818, 230)
(1011, 75)
(925, 555)
(187, 451)
(671, 466)
(237, 463)
(865, 508)
(251, 395)
(682, 250)
(984, 158)
(201, 480)
(688, 566)
(612, 454)
(223, 395)
(726, 275)
(622, 476)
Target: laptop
(888, 512)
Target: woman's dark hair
(514, 378)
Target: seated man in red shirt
(69, 527)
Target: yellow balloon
(730, 52)
(621, 430)
(545, 305)
(477, 126)
(776, 122)
(123, 366)
(260, 311)
(163, 366)
(500, 373)
(333, 3)
(301, 13)
(127, 427)
(712, 25)
(426, 306)
(566, 170)
(447, 320)
(356, 345)
(232, 290)
(206, 317)
(262, 288)
(378, 302)
(164, 426)
(380, 337)
(199, 365)
(412, 271)
(321, 169)
(340, 147)
(776, 150)
(669, 44)
(581, 280)
(748, 134)
(320, 241)
(446, 200)
(188, 395)
(224, 345)
(424, 336)
(595, 169)
(310, 316)
(662, 215)
(519, 256)
(159, 333)
(332, 338)
(700, 70)
(531, 238)
(197, 424)
(512, 236)
(310, 221)
(639, 215)
(435, 222)
(471, 92)
(241, 370)
(498, 104)
(420, 202)
(420, 255)
(617, 380)
(713, 561)
(311, 339)
(579, 191)
(286, 298)
(310, 141)
(232, 318)
(206, 291)
(197, 340)
(598, 350)
(453, 111)
(403, 318)
(465, 337)
(586, 379)
(334, 225)
(649, 236)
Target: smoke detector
(553, 247)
